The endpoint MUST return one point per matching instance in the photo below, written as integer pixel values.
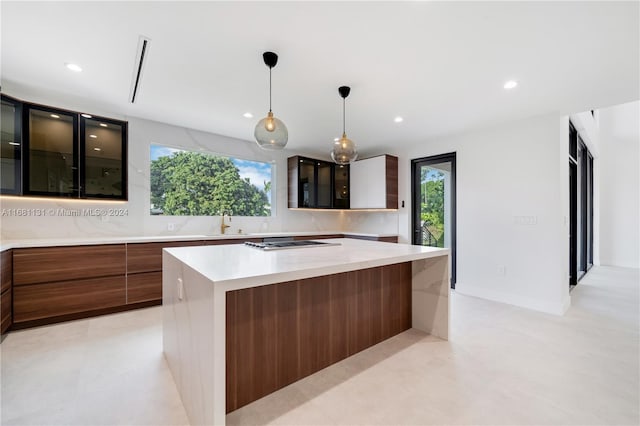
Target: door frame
(415, 197)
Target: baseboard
(554, 308)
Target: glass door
(434, 204)
(103, 146)
(11, 147)
(51, 165)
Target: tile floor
(503, 365)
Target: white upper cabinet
(374, 183)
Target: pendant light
(344, 149)
(270, 132)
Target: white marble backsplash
(24, 217)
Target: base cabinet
(144, 287)
(6, 290)
(277, 334)
(50, 300)
(53, 284)
(144, 270)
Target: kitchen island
(240, 323)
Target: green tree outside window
(187, 183)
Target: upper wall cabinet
(103, 144)
(317, 184)
(374, 183)
(51, 152)
(60, 153)
(11, 147)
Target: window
(186, 183)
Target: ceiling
(439, 65)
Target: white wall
(511, 170)
(619, 185)
(142, 133)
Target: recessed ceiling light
(510, 84)
(14, 143)
(97, 149)
(73, 67)
(247, 115)
(398, 119)
(103, 125)
(54, 116)
(93, 136)
(86, 115)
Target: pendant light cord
(343, 116)
(269, 89)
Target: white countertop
(240, 266)
(55, 242)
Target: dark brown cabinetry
(6, 290)
(278, 334)
(144, 270)
(232, 241)
(59, 283)
(317, 184)
(53, 284)
(371, 183)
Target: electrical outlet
(525, 220)
(171, 226)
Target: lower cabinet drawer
(37, 301)
(5, 311)
(144, 287)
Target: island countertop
(222, 302)
(240, 266)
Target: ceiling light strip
(143, 49)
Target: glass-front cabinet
(104, 144)
(51, 160)
(341, 186)
(53, 152)
(317, 184)
(10, 146)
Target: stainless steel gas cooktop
(284, 245)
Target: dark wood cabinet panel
(33, 302)
(147, 257)
(314, 312)
(6, 270)
(287, 362)
(144, 287)
(44, 265)
(6, 314)
(393, 239)
(392, 181)
(6, 290)
(292, 179)
(316, 237)
(232, 241)
(280, 333)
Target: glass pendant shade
(344, 151)
(271, 133)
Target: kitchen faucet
(224, 226)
